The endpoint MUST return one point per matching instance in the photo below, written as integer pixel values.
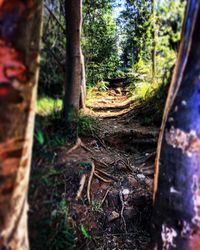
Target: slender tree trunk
(73, 66)
(176, 214)
(19, 45)
(153, 52)
(83, 83)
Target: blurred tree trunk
(176, 212)
(153, 52)
(19, 45)
(73, 12)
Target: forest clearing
(99, 125)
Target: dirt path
(114, 167)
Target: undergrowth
(151, 95)
(50, 130)
(51, 224)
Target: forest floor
(98, 194)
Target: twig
(90, 181)
(122, 210)
(82, 183)
(105, 196)
(101, 178)
(108, 175)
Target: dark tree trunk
(73, 10)
(176, 213)
(19, 46)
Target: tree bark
(19, 45)
(73, 10)
(176, 212)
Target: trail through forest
(105, 179)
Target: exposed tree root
(90, 181)
(82, 184)
(101, 178)
(122, 210)
(105, 196)
(78, 144)
(107, 175)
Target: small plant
(85, 233)
(96, 206)
(85, 124)
(61, 235)
(39, 136)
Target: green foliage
(53, 50)
(49, 128)
(48, 106)
(61, 236)
(135, 22)
(169, 24)
(96, 206)
(39, 136)
(102, 85)
(99, 40)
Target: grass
(47, 106)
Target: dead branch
(90, 181)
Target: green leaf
(85, 233)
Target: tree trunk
(153, 52)
(73, 10)
(19, 45)
(83, 83)
(176, 213)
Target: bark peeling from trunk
(20, 26)
(176, 216)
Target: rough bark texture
(176, 216)
(19, 44)
(73, 10)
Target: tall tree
(19, 45)
(99, 40)
(176, 215)
(136, 23)
(73, 15)
(153, 56)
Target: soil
(114, 211)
